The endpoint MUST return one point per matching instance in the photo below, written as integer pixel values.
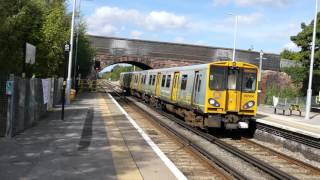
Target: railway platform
(294, 123)
(97, 140)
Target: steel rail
(277, 173)
(293, 136)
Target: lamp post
(234, 36)
(260, 64)
(309, 91)
(66, 54)
(69, 80)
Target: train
(220, 94)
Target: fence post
(10, 109)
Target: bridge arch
(137, 64)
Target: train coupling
(239, 125)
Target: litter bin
(72, 94)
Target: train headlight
(214, 102)
(248, 105)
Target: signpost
(63, 97)
(29, 56)
(9, 88)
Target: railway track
(294, 167)
(191, 163)
(306, 140)
(271, 162)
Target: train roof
(191, 67)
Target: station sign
(9, 88)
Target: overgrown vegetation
(114, 74)
(291, 55)
(45, 24)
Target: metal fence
(3, 104)
(301, 101)
(30, 100)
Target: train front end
(231, 94)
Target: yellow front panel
(220, 97)
(232, 100)
(246, 97)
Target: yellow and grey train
(221, 94)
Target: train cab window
(163, 80)
(232, 78)
(184, 82)
(168, 81)
(249, 80)
(217, 79)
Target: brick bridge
(152, 54)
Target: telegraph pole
(69, 80)
(63, 99)
(309, 91)
(234, 37)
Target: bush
(297, 74)
(288, 92)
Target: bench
(285, 106)
(295, 107)
(281, 106)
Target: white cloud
(253, 3)
(277, 3)
(164, 20)
(107, 20)
(250, 19)
(135, 34)
(216, 3)
(179, 40)
(291, 46)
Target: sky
(263, 24)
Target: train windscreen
(249, 80)
(222, 78)
(217, 80)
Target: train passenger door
(233, 92)
(175, 87)
(158, 85)
(196, 88)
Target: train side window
(153, 79)
(150, 79)
(163, 80)
(168, 81)
(184, 82)
(199, 85)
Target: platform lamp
(260, 73)
(309, 91)
(69, 80)
(234, 36)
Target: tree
(45, 24)
(85, 52)
(303, 40)
(20, 22)
(291, 55)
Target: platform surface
(293, 123)
(95, 141)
